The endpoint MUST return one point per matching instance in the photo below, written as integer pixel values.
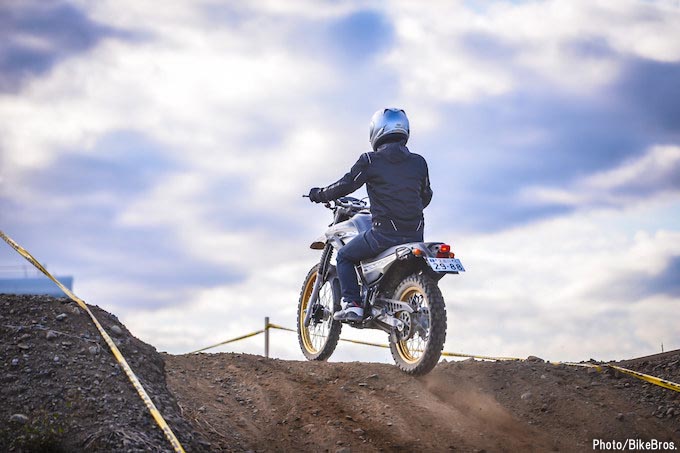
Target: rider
(398, 188)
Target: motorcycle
(399, 289)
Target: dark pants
(366, 245)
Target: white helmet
(392, 122)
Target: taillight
(445, 251)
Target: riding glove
(315, 195)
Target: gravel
(71, 395)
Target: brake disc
(319, 314)
(405, 329)
(421, 322)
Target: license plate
(446, 264)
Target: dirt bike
(399, 291)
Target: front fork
(321, 273)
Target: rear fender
(400, 261)
(402, 269)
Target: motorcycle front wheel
(319, 339)
(417, 349)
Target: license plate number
(446, 264)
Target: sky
(159, 154)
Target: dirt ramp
(62, 389)
(243, 402)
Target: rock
(23, 346)
(544, 408)
(533, 358)
(201, 409)
(308, 428)
(56, 358)
(362, 384)
(359, 431)
(526, 395)
(619, 417)
(62, 316)
(94, 350)
(51, 335)
(373, 376)
(15, 362)
(117, 331)
(20, 419)
(343, 450)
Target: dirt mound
(243, 402)
(62, 389)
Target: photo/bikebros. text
(633, 445)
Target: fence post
(266, 337)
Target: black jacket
(397, 182)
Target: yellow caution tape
(646, 377)
(474, 356)
(584, 365)
(365, 342)
(242, 337)
(276, 326)
(114, 349)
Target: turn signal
(417, 252)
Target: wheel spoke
(412, 349)
(317, 333)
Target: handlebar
(349, 203)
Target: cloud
(459, 54)
(578, 283)
(165, 173)
(657, 173)
(37, 35)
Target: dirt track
(243, 402)
(62, 391)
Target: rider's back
(397, 183)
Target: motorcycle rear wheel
(417, 355)
(318, 340)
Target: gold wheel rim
(304, 332)
(314, 337)
(411, 354)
